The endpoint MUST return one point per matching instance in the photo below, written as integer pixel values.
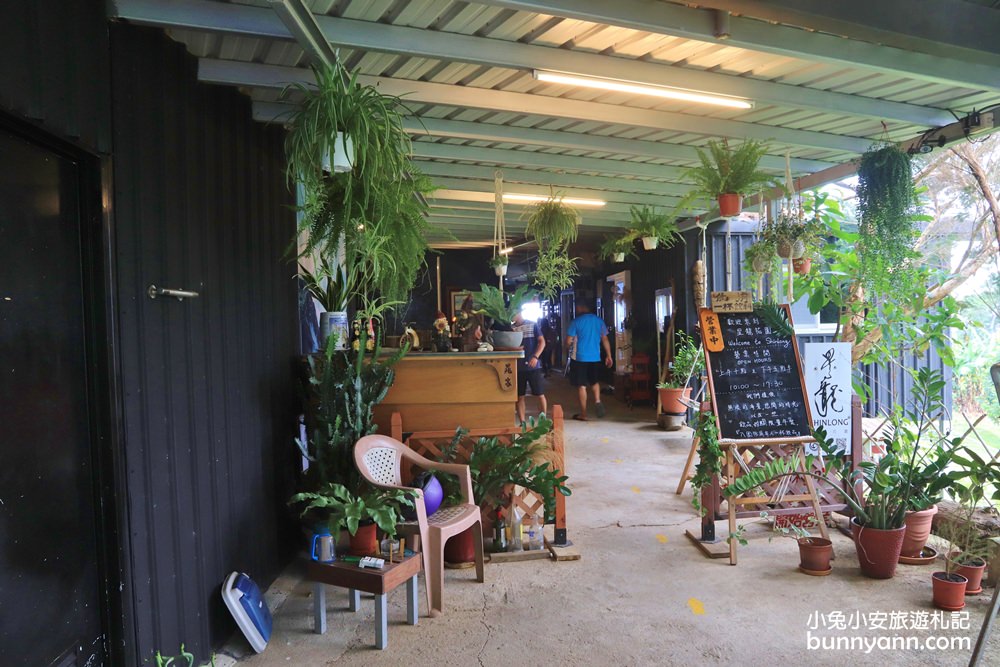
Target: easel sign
(759, 400)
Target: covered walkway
(640, 595)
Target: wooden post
(560, 538)
(396, 426)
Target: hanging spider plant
(552, 223)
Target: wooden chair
(379, 459)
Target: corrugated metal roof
(796, 105)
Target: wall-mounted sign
(828, 384)
(732, 302)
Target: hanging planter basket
(619, 257)
(343, 155)
(789, 249)
(730, 205)
(500, 270)
(650, 242)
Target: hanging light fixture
(636, 88)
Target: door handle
(180, 294)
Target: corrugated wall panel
(201, 204)
(67, 95)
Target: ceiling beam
(237, 73)
(460, 129)
(515, 221)
(961, 30)
(492, 132)
(402, 40)
(503, 156)
(514, 176)
(687, 22)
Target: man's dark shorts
(529, 376)
(584, 373)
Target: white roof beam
(513, 177)
(237, 73)
(460, 129)
(680, 21)
(371, 36)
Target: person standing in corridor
(587, 335)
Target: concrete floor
(641, 594)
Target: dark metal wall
(54, 68)
(201, 204)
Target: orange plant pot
(670, 399)
(365, 541)
(918, 529)
(730, 205)
(802, 265)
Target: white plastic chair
(379, 459)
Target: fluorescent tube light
(642, 89)
(571, 201)
(507, 250)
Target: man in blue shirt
(586, 335)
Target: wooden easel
(763, 443)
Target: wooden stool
(356, 580)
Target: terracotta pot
(670, 399)
(802, 265)
(918, 529)
(878, 550)
(460, 548)
(815, 554)
(650, 242)
(949, 590)
(365, 541)
(974, 573)
(730, 205)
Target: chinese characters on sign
(732, 302)
(828, 385)
(756, 381)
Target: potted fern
(653, 227)
(688, 360)
(729, 174)
(499, 264)
(551, 222)
(617, 248)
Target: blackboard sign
(755, 377)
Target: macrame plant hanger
(499, 226)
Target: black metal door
(50, 611)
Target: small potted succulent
(654, 227)
(499, 264)
(688, 360)
(729, 174)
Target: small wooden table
(356, 579)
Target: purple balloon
(433, 495)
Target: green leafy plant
(343, 389)
(554, 271)
(885, 206)
(788, 230)
(496, 467)
(332, 286)
(342, 509)
(614, 245)
(761, 258)
(500, 307)
(647, 221)
(688, 360)
(552, 223)
(373, 218)
(169, 661)
(725, 170)
(975, 486)
(880, 493)
(774, 316)
(709, 464)
(498, 260)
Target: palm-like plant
(730, 171)
(650, 223)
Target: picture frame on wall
(456, 296)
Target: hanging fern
(885, 208)
(774, 316)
